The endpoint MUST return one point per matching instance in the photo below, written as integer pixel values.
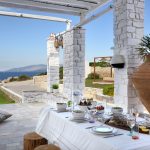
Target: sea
(5, 75)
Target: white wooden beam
(101, 3)
(82, 17)
(86, 21)
(40, 17)
(68, 27)
(93, 17)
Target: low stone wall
(40, 81)
(108, 99)
(103, 71)
(14, 96)
(44, 97)
(90, 92)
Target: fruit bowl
(83, 105)
(100, 109)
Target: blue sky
(23, 41)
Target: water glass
(131, 124)
(135, 134)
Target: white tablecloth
(73, 136)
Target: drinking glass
(91, 116)
(135, 135)
(131, 124)
(103, 119)
(134, 111)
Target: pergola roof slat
(40, 7)
(72, 7)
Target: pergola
(128, 30)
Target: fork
(116, 134)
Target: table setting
(88, 125)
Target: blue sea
(5, 75)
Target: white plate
(103, 130)
(78, 120)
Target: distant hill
(32, 68)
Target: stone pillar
(128, 31)
(74, 61)
(52, 63)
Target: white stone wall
(40, 81)
(74, 61)
(90, 92)
(103, 71)
(87, 69)
(52, 63)
(128, 31)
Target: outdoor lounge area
(65, 119)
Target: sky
(23, 41)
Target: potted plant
(141, 77)
(55, 88)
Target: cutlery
(89, 127)
(113, 135)
(67, 117)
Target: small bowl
(78, 114)
(61, 106)
(117, 110)
(100, 111)
(83, 108)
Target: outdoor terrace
(24, 120)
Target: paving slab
(24, 119)
(20, 86)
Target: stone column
(52, 63)
(128, 31)
(74, 61)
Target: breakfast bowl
(78, 114)
(61, 106)
(83, 108)
(117, 110)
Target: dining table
(60, 129)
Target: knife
(113, 135)
(89, 127)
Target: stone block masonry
(52, 63)
(74, 61)
(128, 31)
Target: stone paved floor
(24, 120)
(19, 87)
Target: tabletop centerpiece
(84, 104)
